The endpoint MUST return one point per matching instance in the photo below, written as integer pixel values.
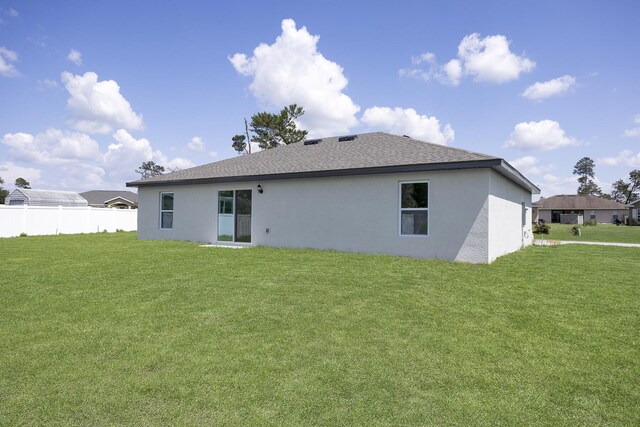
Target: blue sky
(89, 90)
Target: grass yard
(594, 233)
(103, 329)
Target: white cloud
(52, 147)
(9, 171)
(544, 135)
(408, 122)
(530, 165)
(47, 84)
(12, 12)
(6, 57)
(624, 158)
(630, 133)
(555, 87)
(486, 60)
(128, 153)
(75, 57)
(98, 106)
(551, 185)
(196, 144)
(291, 70)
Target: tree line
(623, 190)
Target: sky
(90, 90)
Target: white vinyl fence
(39, 220)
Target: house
(111, 199)
(578, 209)
(373, 193)
(634, 212)
(30, 197)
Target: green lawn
(106, 330)
(597, 233)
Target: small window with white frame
(414, 208)
(166, 210)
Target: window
(414, 208)
(166, 210)
(234, 216)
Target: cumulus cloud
(633, 132)
(486, 59)
(624, 158)
(75, 57)
(52, 147)
(539, 91)
(98, 106)
(530, 165)
(9, 171)
(408, 122)
(551, 185)
(544, 135)
(7, 56)
(196, 144)
(291, 70)
(128, 153)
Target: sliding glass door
(234, 216)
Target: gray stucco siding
(355, 214)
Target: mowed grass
(594, 233)
(106, 330)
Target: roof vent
(312, 141)
(347, 138)
(407, 136)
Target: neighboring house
(21, 196)
(374, 193)
(111, 199)
(577, 209)
(634, 212)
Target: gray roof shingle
(375, 152)
(99, 197)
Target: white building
(374, 193)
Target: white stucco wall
(356, 214)
(508, 230)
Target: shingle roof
(578, 202)
(375, 152)
(47, 197)
(99, 197)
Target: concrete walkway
(628, 245)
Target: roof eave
(498, 165)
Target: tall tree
(627, 191)
(3, 192)
(149, 169)
(585, 169)
(271, 130)
(22, 183)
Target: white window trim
(162, 193)
(400, 209)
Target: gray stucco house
(578, 209)
(111, 199)
(373, 192)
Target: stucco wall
(357, 214)
(508, 230)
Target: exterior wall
(355, 214)
(509, 226)
(603, 216)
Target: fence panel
(42, 220)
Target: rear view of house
(374, 193)
(578, 209)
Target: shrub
(23, 235)
(591, 222)
(575, 230)
(541, 228)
